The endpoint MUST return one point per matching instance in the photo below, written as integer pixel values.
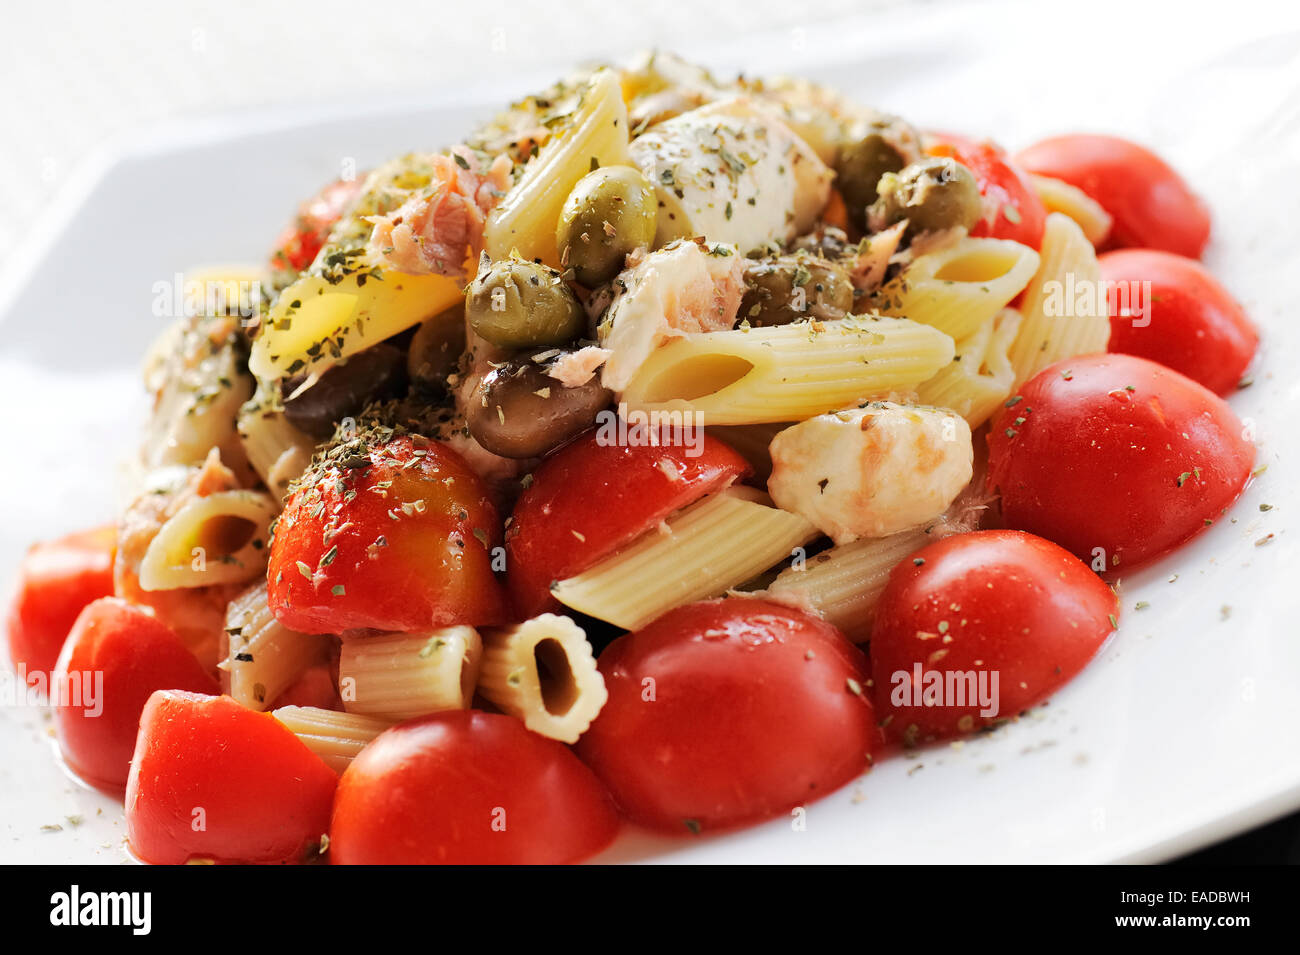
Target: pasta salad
(663, 454)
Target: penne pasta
(275, 449)
(786, 372)
(844, 584)
(980, 378)
(265, 657)
(524, 221)
(337, 738)
(708, 548)
(1087, 212)
(1064, 309)
(960, 286)
(543, 672)
(403, 675)
(218, 539)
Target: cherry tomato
(1187, 322)
(317, 686)
(213, 780)
(116, 656)
(468, 788)
(1116, 458)
(399, 539)
(729, 712)
(978, 627)
(56, 580)
(1152, 206)
(591, 498)
(298, 244)
(1012, 207)
(940, 142)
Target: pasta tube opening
(543, 672)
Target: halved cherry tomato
(591, 498)
(56, 580)
(468, 788)
(978, 627)
(213, 780)
(1152, 206)
(729, 712)
(400, 538)
(1012, 209)
(1187, 321)
(1116, 458)
(116, 656)
(298, 244)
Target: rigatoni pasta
(543, 671)
(337, 738)
(843, 584)
(265, 657)
(403, 675)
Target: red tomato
(591, 498)
(213, 780)
(56, 580)
(978, 627)
(316, 687)
(1151, 204)
(298, 244)
(939, 142)
(1012, 209)
(400, 539)
(468, 788)
(116, 656)
(729, 712)
(1116, 458)
(1188, 322)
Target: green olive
(790, 288)
(436, 348)
(518, 304)
(520, 411)
(932, 194)
(859, 168)
(610, 212)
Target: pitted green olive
(932, 194)
(790, 288)
(859, 168)
(517, 304)
(611, 212)
(520, 411)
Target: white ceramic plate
(1183, 731)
